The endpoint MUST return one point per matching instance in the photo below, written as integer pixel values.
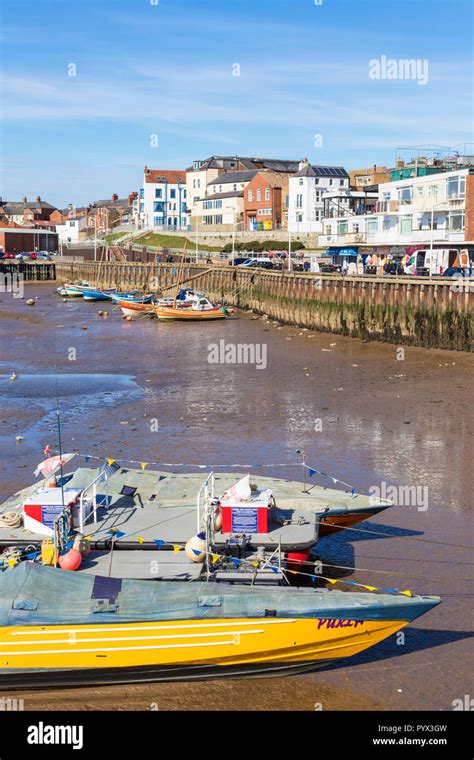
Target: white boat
(73, 290)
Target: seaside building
(368, 178)
(162, 202)
(266, 201)
(27, 212)
(202, 175)
(434, 209)
(307, 193)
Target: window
(433, 191)
(342, 227)
(184, 193)
(299, 201)
(341, 182)
(420, 191)
(194, 184)
(267, 193)
(250, 195)
(299, 217)
(301, 181)
(456, 187)
(259, 194)
(316, 215)
(331, 182)
(173, 194)
(217, 204)
(158, 193)
(456, 221)
(316, 181)
(235, 188)
(141, 192)
(405, 225)
(355, 228)
(207, 219)
(372, 226)
(405, 194)
(218, 219)
(157, 206)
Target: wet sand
(406, 423)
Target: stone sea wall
(432, 313)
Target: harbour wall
(426, 312)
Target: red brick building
(266, 201)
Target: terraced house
(163, 200)
(226, 177)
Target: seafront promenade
(428, 312)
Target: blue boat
(97, 295)
(130, 295)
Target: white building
(69, 231)
(222, 206)
(417, 211)
(307, 192)
(163, 200)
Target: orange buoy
(71, 560)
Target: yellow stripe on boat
(181, 642)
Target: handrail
(99, 478)
(205, 488)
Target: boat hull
(169, 313)
(180, 648)
(130, 309)
(96, 295)
(50, 627)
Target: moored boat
(131, 308)
(67, 629)
(201, 309)
(90, 294)
(73, 290)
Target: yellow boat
(202, 310)
(58, 627)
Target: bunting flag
(177, 548)
(213, 466)
(215, 558)
(159, 543)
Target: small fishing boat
(97, 295)
(61, 628)
(131, 295)
(73, 290)
(131, 308)
(200, 309)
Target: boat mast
(178, 278)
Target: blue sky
(166, 69)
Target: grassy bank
(160, 240)
(114, 236)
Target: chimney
(400, 163)
(25, 199)
(303, 164)
(115, 197)
(38, 199)
(146, 170)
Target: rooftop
(233, 177)
(169, 176)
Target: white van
(435, 261)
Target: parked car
(457, 272)
(261, 263)
(238, 261)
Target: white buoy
(195, 548)
(13, 376)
